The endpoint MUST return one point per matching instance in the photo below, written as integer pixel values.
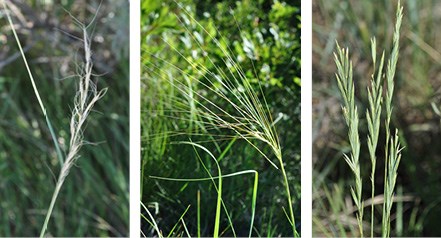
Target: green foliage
(262, 38)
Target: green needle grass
(211, 93)
(250, 118)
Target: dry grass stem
(86, 97)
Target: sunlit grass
(217, 102)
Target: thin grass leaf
(151, 220)
(34, 86)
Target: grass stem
(34, 86)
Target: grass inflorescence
(212, 104)
(415, 205)
(373, 114)
(87, 95)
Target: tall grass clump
(87, 95)
(209, 100)
(392, 147)
(251, 119)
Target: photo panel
(64, 115)
(376, 118)
(220, 118)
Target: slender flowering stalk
(393, 155)
(347, 89)
(373, 117)
(250, 118)
(86, 97)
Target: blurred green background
(352, 23)
(269, 38)
(94, 200)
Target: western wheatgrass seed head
(347, 89)
(393, 147)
